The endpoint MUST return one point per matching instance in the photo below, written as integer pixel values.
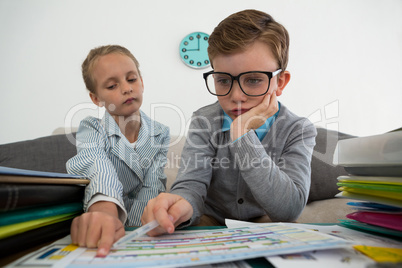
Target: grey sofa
(50, 153)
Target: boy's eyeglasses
(253, 83)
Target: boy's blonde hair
(94, 55)
(241, 29)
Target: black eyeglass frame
(237, 78)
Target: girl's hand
(98, 228)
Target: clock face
(193, 50)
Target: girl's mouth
(128, 101)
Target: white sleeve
(120, 209)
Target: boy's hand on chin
(255, 117)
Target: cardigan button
(240, 201)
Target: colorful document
(195, 247)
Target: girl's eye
(132, 80)
(111, 87)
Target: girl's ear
(96, 100)
(283, 80)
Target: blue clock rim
(186, 63)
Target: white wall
(345, 59)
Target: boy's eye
(253, 81)
(132, 80)
(223, 80)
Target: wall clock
(193, 50)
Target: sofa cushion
(43, 154)
(323, 173)
(326, 211)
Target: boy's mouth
(239, 111)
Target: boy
(247, 156)
(123, 154)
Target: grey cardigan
(247, 178)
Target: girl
(123, 154)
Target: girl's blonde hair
(94, 55)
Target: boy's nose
(236, 94)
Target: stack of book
(375, 167)
(36, 207)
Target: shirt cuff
(122, 213)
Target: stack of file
(36, 207)
(375, 179)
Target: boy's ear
(283, 80)
(96, 100)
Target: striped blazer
(131, 174)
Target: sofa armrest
(323, 173)
(48, 153)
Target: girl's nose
(126, 88)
